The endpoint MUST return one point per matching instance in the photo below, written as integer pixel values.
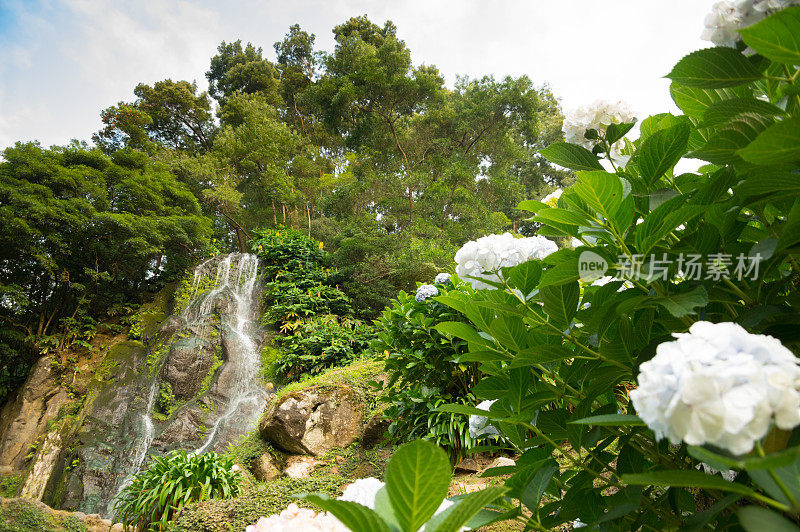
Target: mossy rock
(23, 515)
(255, 501)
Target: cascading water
(227, 293)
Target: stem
(777, 479)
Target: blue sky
(63, 61)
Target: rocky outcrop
(24, 418)
(266, 467)
(21, 512)
(315, 420)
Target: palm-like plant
(157, 494)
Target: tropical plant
(417, 480)
(561, 345)
(156, 495)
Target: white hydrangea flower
(479, 425)
(552, 198)
(363, 491)
(426, 291)
(442, 278)
(722, 25)
(598, 115)
(719, 385)
(490, 253)
(294, 518)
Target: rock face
(267, 468)
(24, 418)
(315, 420)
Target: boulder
(375, 431)
(315, 420)
(301, 466)
(266, 467)
(187, 365)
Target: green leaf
(560, 216)
(614, 132)
(465, 509)
(758, 519)
(680, 305)
(602, 191)
(694, 102)
(777, 37)
(778, 144)
(610, 420)
(661, 151)
(571, 156)
(715, 68)
(561, 302)
(354, 516)
(540, 354)
(532, 495)
(532, 206)
(723, 111)
(467, 410)
(461, 330)
(525, 276)
(768, 181)
(685, 479)
(724, 144)
(563, 272)
(417, 479)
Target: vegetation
(22, 515)
(156, 495)
(425, 370)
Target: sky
(63, 61)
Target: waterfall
(242, 401)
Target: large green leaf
(778, 144)
(715, 68)
(561, 302)
(532, 494)
(661, 151)
(417, 479)
(601, 191)
(457, 516)
(768, 181)
(723, 111)
(680, 305)
(758, 519)
(610, 420)
(525, 276)
(777, 37)
(694, 102)
(540, 354)
(724, 143)
(354, 516)
(685, 479)
(461, 330)
(571, 156)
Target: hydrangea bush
(659, 349)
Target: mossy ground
(20, 515)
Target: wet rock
(184, 429)
(468, 465)
(315, 420)
(24, 418)
(267, 467)
(187, 365)
(501, 461)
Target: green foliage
(23, 515)
(166, 403)
(247, 449)
(270, 359)
(425, 370)
(558, 354)
(255, 501)
(417, 480)
(10, 485)
(158, 494)
(320, 343)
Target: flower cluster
(484, 257)
(442, 278)
(363, 491)
(719, 385)
(596, 116)
(294, 518)
(722, 25)
(479, 425)
(426, 291)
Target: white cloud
(71, 58)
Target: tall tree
(242, 70)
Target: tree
(244, 71)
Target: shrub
(157, 494)
(561, 346)
(319, 343)
(425, 369)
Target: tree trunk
(308, 212)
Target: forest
(356, 147)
